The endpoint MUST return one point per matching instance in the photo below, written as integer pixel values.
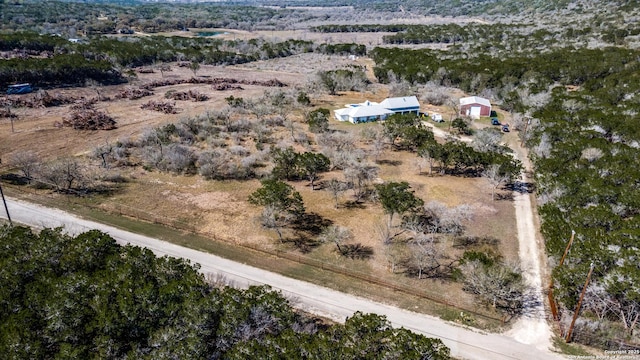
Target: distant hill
(433, 7)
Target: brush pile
(84, 116)
(162, 106)
(134, 93)
(186, 95)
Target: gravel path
(532, 328)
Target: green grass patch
(569, 349)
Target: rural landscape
(473, 162)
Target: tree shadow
(389, 162)
(104, 190)
(472, 241)
(311, 223)
(319, 185)
(357, 251)
(14, 179)
(504, 196)
(521, 187)
(302, 242)
(353, 204)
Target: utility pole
(575, 315)
(552, 301)
(5, 206)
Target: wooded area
(86, 296)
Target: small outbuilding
(475, 107)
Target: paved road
(464, 343)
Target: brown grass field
(221, 207)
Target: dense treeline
(585, 141)
(86, 296)
(534, 72)
(107, 18)
(586, 151)
(452, 8)
(343, 28)
(65, 69)
(47, 60)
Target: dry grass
(36, 126)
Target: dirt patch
(216, 200)
(36, 125)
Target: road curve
(464, 343)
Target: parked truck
(19, 89)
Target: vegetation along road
(464, 343)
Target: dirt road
(464, 343)
(533, 327)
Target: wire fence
(141, 215)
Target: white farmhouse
(402, 105)
(372, 111)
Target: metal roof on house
(401, 102)
(371, 110)
(475, 100)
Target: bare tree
(217, 164)
(337, 235)
(443, 219)
(487, 140)
(65, 174)
(400, 87)
(338, 141)
(435, 94)
(378, 146)
(495, 178)
(622, 287)
(178, 159)
(360, 175)
(163, 68)
(27, 162)
(194, 66)
(336, 187)
(275, 218)
(500, 285)
(103, 152)
(259, 109)
(544, 147)
(597, 300)
(418, 164)
(454, 108)
(429, 153)
(424, 255)
(96, 86)
(395, 253)
(9, 114)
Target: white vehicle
(437, 117)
